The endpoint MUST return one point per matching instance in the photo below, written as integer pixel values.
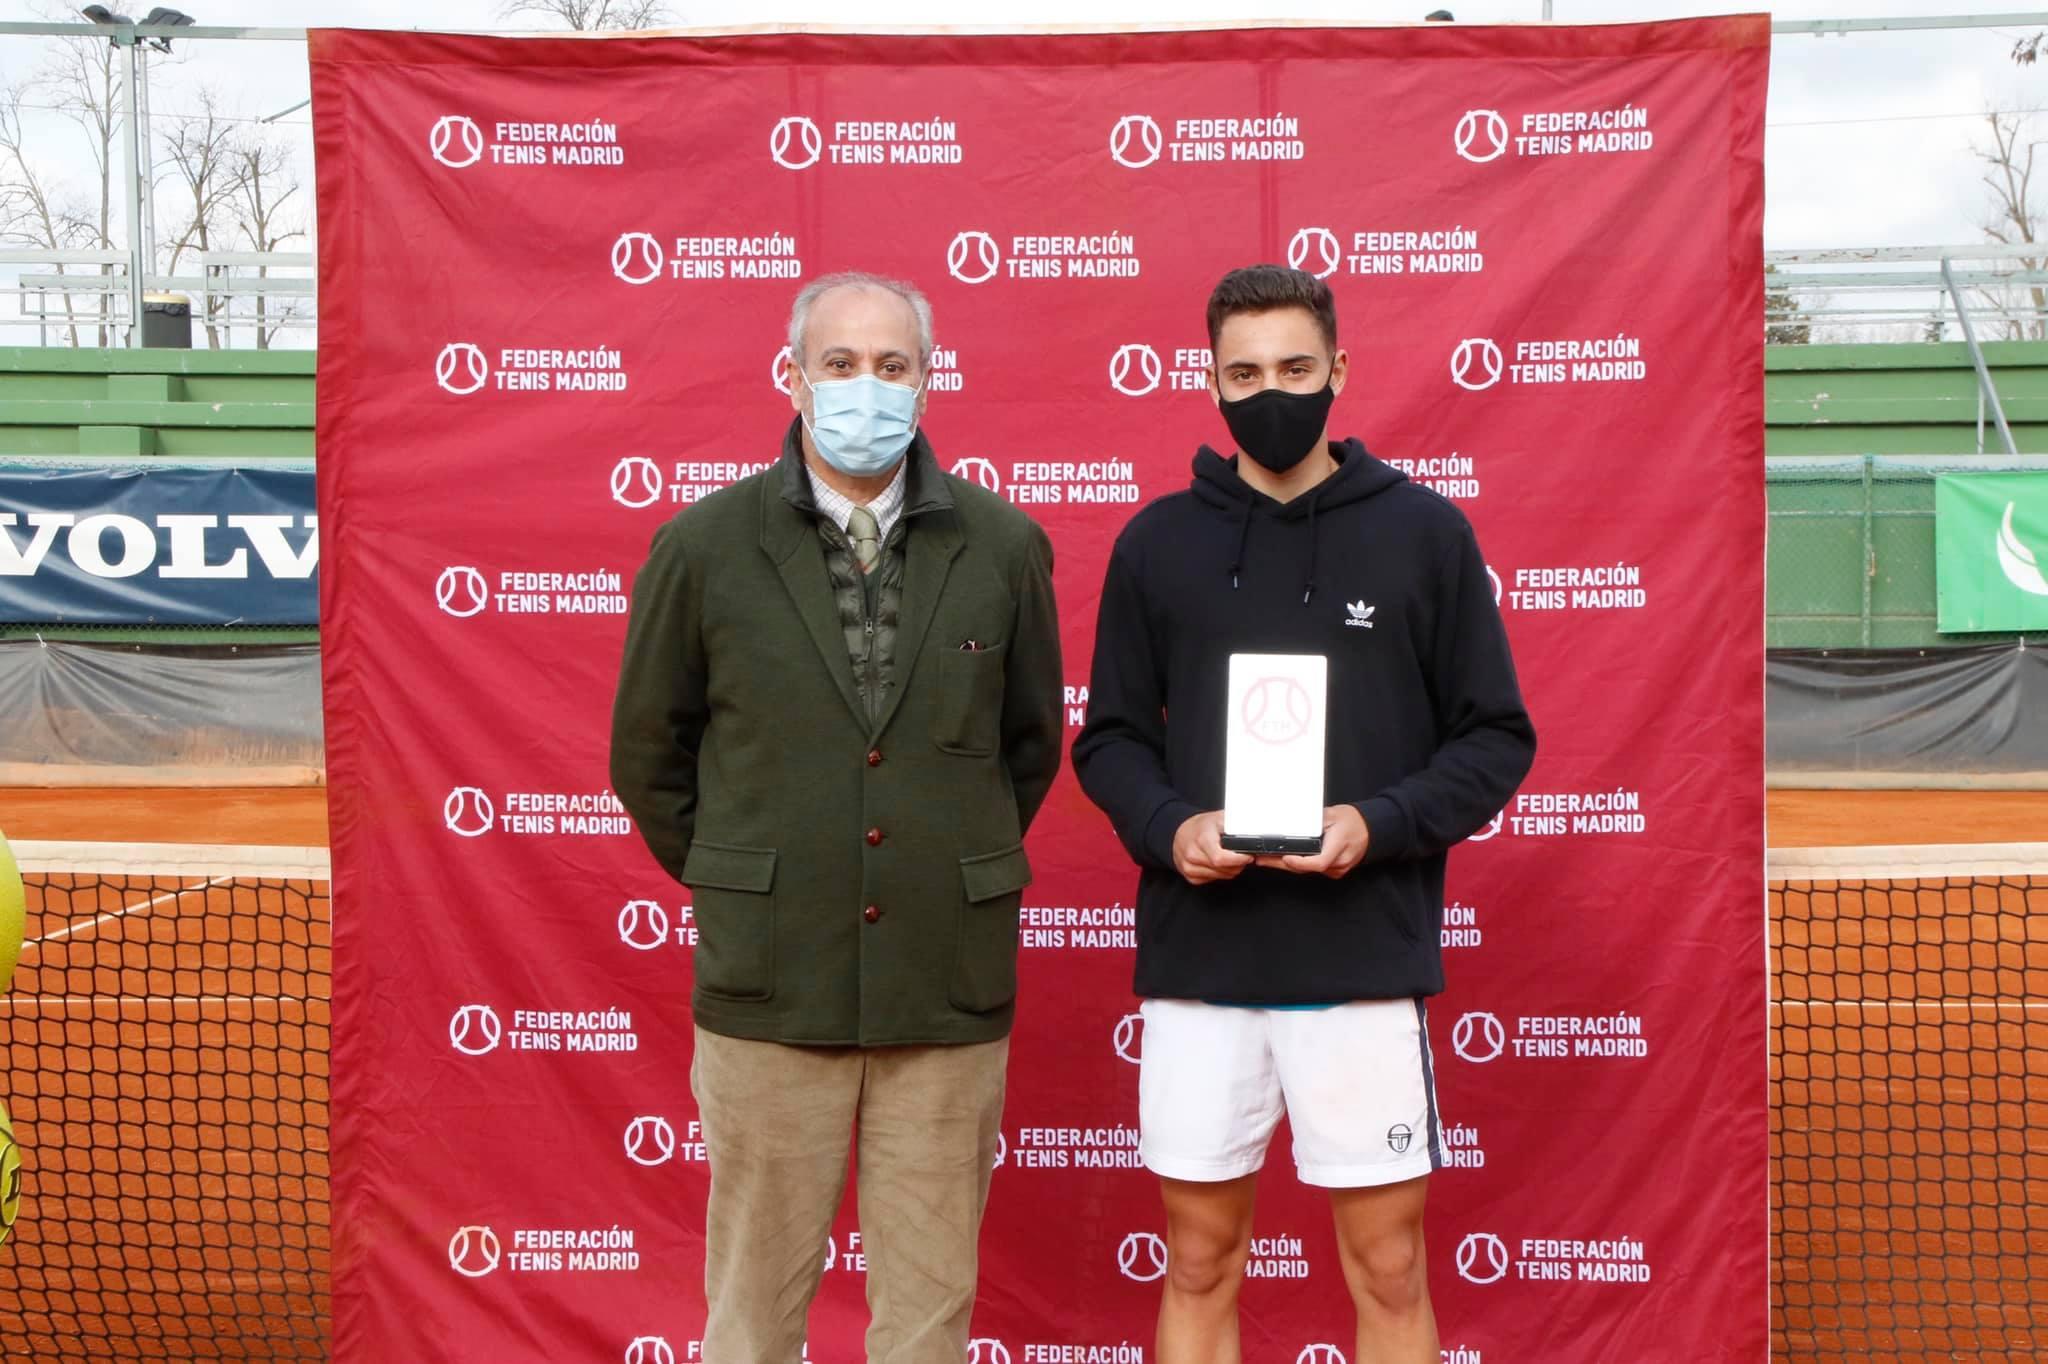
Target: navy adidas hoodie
(1426, 732)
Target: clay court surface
(293, 816)
(167, 1047)
(168, 1043)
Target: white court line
(173, 859)
(67, 931)
(1947, 861)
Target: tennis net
(167, 1042)
(166, 1051)
(1909, 1098)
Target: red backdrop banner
(555, 279)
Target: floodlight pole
(132, 144)
(146, 168)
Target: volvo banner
(157, 545)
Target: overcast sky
(1869, 143)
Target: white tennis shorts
(1356, 1082)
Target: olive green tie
(866, 536)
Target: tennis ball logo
(1315, 250)
(1136, 141)
(1129, 1038)
(978, 470)
(1142, 1257)
(796, 143)
(643, 925)
(475, 1029)
(650, 1350)
(650, 1141)
(473, 1251)
(1002, 1150)
(456, 141)
(973, 258)
(778, 372)
(461, 368)
(636, 257)
(1479, 1037)
(636, 482)
(1135, 370)
(1320, 1354)
(986, 1350)
(1276, 710)
(1493, 827)
(1482, 1258)
(460, 591)
(10, 1174)
(468, 812)
(1481, 135)
(1476, 364)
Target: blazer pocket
(968, 716)
(985, 962)
(732, 895)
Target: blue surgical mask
(861, 425)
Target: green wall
(180, 404)
(1856, 435)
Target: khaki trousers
(778, 1124)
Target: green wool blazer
(852, 883)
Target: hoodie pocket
(1406, 916)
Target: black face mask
(1278, 428)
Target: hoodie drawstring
(1244, 532)
(1308, 588)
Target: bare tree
(81, 80)
(2014, 220)
(265, 207)
(1786, 323)
(591, 15)
(30, 213)
(201, 156)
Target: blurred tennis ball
(13, 914)
(10, 1173)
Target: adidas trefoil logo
(1359, 614)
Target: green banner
(1991, 551)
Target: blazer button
(873, 914)
(874, 757)
(874, 838)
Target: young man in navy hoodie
(1296, 982)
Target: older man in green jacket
(839, 709)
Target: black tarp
(1871, 716)
(225, 707)
(1951, 712)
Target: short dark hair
(1265, 288)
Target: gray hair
(800, 312)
